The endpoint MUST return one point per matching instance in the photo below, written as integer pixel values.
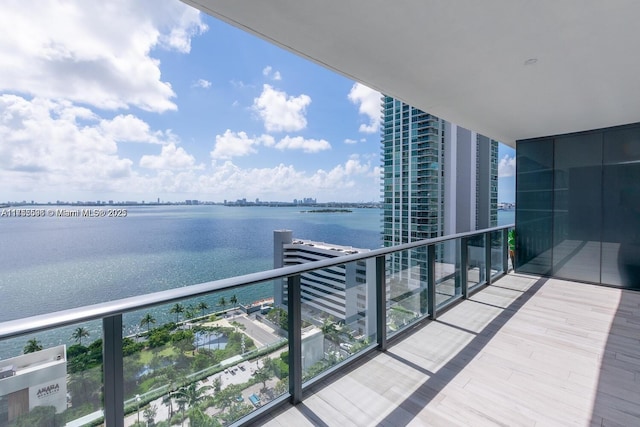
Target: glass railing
(203, 355)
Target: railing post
(487, 256)
(381, 302)
(464, 267)
(113, 371)
(295, 338)
(431, 280)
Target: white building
(344, 292)
(33, 379)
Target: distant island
(328, 211)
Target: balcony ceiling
(507, 69)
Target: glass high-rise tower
(438, 178)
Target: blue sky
(150, 99)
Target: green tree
(147, 321)
(217, 384)
(264, 373)
(329, 329)
(202, 306)
(150, 413)
(233, 300)
(227, 396)
(80, 333)
(178, 309)
(32, 346)
(167, 400)
(191, 394)
(222, 302)
(40, 416)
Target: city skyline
(177, 105)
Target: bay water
(55, 263)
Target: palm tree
(202, 306)
(222, 302)
(80, 333)
(233, 300)
(32, 346)
(191, 394)
(167, 400)
(147, 321)
(177, 309)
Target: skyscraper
(438, 178)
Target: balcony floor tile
(526, 351)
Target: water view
(216, 352)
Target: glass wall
(578, 206)
(621, 207)
(534, 206)
(577, 198)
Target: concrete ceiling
(509, 69)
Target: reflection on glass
(407, 281)
(447, 274)
(534, 206)
(496, 253)
(338, 314)
(476, 261)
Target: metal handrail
(42, 322)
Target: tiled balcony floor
(526, 351)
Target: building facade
(438, 179)
(31, 380)
(343, 293)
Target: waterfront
(50, 264)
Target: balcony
(435, 333)
(523, 351)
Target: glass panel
(534, 206)
(338, 314)
(577, 207)
(447, 274)
(621, 208)
(477, 259)
(52, 377)
(211, 359)
(407, 299)
(497, 249)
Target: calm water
(51, 264)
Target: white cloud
(281, 112)
(72, 50)
(507, 167)
(369, 105)
(350, 141)
(237, 144)
(52, 144)
(205, 84)
(284, 182)
(300, 143)
(268, 72)
(171, 157)
(132, 129)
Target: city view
(125, 192)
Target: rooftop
(525, 351)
